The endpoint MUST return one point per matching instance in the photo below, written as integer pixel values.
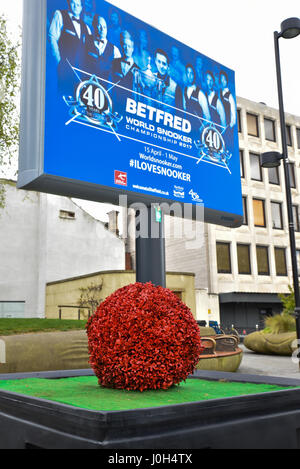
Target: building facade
(251, 265)
(240, 272)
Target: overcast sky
(237, 33)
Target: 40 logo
(93, 103)
(212, 147)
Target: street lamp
(290, 28)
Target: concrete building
(249, 266)
(46, 238)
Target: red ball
(143, 337)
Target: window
(280, 262)
(12, 309)
(256, 173)
(262, 254)
(239, 120)
(274, 176)
(259, 213)
(245, 211)
(296, 217)
(178, 294)
(242, 164)
(276, 211)
(270, 130)
(298, 137)
(288, 135)
(67, 215)
(244, 265)
(292, 175)
(252, 123)
(223, 258)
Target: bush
(280, 323)
(288, 302)
(143, 337)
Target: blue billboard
(128, 109)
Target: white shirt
(56, 28)
(232, 107)
(219, 107)
(57, 25)
(201, 99)
(127, 66)
(190, 90)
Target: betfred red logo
(120, 178)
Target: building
(67, 292)
(240, 272)
(46, 238)
(250, 266)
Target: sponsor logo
(195, 196)
(93, 103)
(211, 147)
(120, 178)
(179, 194)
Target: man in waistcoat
(216, 107)
(177, 69)
(227, 101)
(67, 36)
(124, 68)
(169, 91)
(100, 53)
(115, 28)
(194, 100)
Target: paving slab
(268, 365)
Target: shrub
(280, 323)
(143, 337)
(288, 302)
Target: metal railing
(243, 330)
(61, 307)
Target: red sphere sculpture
(143, 337)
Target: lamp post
(290, 28)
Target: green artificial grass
(85, 392)
(10, 326)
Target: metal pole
(150, 248)
(288, 188)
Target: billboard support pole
(150, 246)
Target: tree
(288, 302)
(90, 296)
(9, 91)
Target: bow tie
(75, 19)
(165, 79)
(126, 62)
(99, 41)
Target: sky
(236, 33)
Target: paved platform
(268, 365)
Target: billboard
(111, 105)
